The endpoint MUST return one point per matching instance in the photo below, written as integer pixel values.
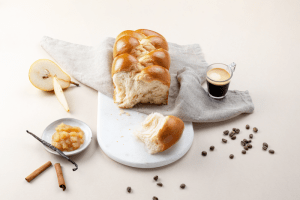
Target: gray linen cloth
(91, 65)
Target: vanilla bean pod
(54, 149)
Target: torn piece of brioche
(159, 133)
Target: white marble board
(116, 139)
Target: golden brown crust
(155, 72)
(124, 62)
(125, 44)
(158, 42)
(147, 32)
(171, 132)
(128, 40)
(132, 34)
(160, 57)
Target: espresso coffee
(218, 80)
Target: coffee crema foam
(218, 74)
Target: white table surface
(262, 37)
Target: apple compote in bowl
(67, 138)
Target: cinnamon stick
(60, 177)
(38, 171)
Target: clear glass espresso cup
(218, 77)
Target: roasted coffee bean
(211, 148)
(234, 129)
(244, 152)
(232, 133)
(128, 189)
(271, 151)
(160, 184)
(231, 156)
(246, 147)
(249, 141)
(246, 141)
(155, 178)
(255, 129)
(265, 144)
(155, 198)
(233, 137)
(182, 186)
(224, 140)
(243, 143)
(249, 146)
(251, 136)
(265, 148)
(226, 132)
(237, 131)
(204, 153)
(247, 126)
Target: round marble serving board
(116, 139)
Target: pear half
(60, 94)
(41, 75)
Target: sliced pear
(41, 75)
(60, 94)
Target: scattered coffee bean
(247, 126)
(155, 178)
(204, 153)
(249, 146)
(155, 198)
(128, 189)
(244, 152)
(237, 131)
(224, 140)
(226, 132)
(232, 133)
(182, 186)
(243, 143)
(233, 137)
(234, 129)
(231, 156)
(265, 144)
(246, 147)
(249, 141)
(160, 184)
(271, 151)
(255, 129)
(251, 136)
(265, 148)
(211, 148)
(246, 141)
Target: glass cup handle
(232, 66)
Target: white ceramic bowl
(50, 130)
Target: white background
(262, 37)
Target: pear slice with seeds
(60, 94)
(41, 75)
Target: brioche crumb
(121, 112)
(127, 114)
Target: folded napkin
(91, 65)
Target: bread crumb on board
(123, 112)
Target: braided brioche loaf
(140, 69)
